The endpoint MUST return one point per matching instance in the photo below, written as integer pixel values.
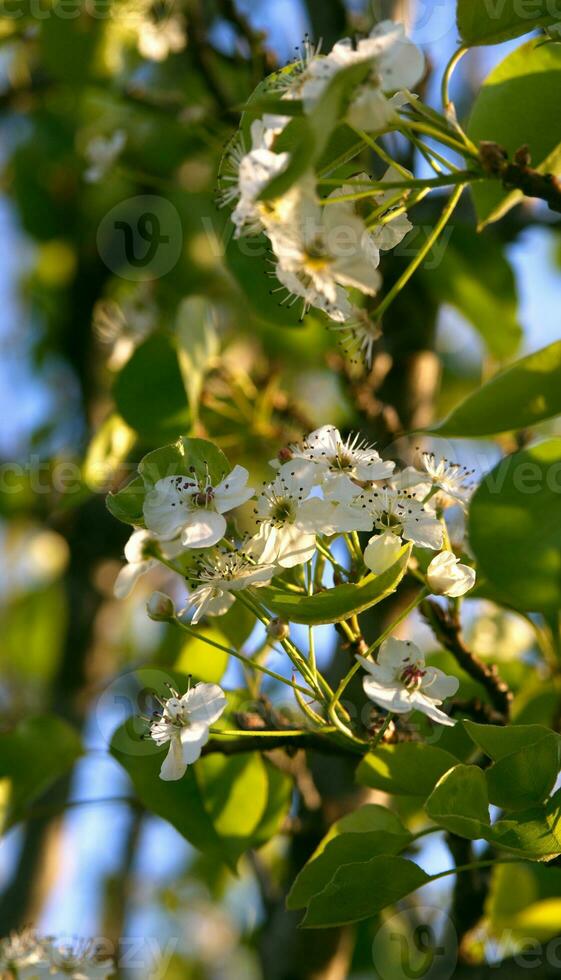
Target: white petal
(294, 547)
(204, 703)
(173, 766)
(420, 703)
(232, 490)
(134, 548)
(127, 577)
(165, 508)
(438, 686)
(203, 528)
(382, 551)
(391, 698)
(397, 654)
(192, 740)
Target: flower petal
(173, 766)
(203, 528)
(204, 703)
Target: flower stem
(254, 665)
(423, 252)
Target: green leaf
(126, 505)
(407, 768)
(149, 391)
(32, 757)
(499, 741)
(514, 528)
(514, 107)
(525, 899)
(338, 603)
(459, 802)
(475, 278)
(198, 345)
(358, 836)
(222, 805)
(493, 21)
(522, 395)
(527, 762)
(534, 833)
(361, 890)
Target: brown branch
(517, 174)
(446, 626)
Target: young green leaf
(459, 802)
(359, 836)
(149, 391)
(522, 395)
(514, 528)
(338, 603)
(407, 768)
(360, 890)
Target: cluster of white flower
(323, 245)
(323, 487)
(26, 956)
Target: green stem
(464, 149)
(244, 660)
(379, 151)
(461, 177)
(423, 252)
(447, 76)
(475, 865)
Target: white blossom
(320, 249)
(339, 464)
(253, 171)
(402, 513)
(160, 607)
(125, 324)
(192, 508)
(184, 723)
(400, 681)
(30, 957)
(290, 519)
(21, 951)
(452, 479)
(139, 561)
(382, 552)
(397, 65)
(101, 153)
(447, 576)
(219, 578)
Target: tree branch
(291, 744)
(517, 174)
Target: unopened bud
(160, 607)
(278, 629)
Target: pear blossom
(382, 551)
(192, 508)
(447, 576)
(451, 478)
(101, 153)
(400, 681)
(339, 464)
(396, 66)
(140, 561)
(402, 513)
(220, 577)
(247, 175)
(321, 249)
(125, 324)
(184, 723)
(160, 607)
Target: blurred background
(75, 319)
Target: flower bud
(382, 552)
(160, 607)
(278, 629)
(446, 576)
